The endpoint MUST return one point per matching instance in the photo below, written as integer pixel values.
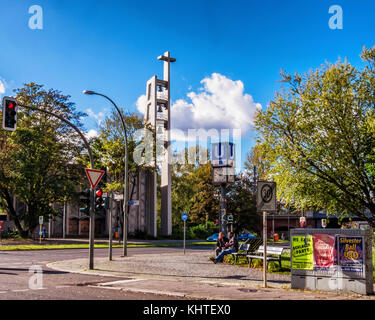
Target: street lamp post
(125, 205)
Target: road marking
(101, 287)
(221, 283)
(3, 292)
(60, 287)
(119, 282)
(20, 290)
(156, 292)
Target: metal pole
(184, 235)
(49, 227)
(264, 249)
(223, 207)
(110, 228)
(92, 213)
(64, 220)
(92, 230)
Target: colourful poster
(302, 253)
(351, 254)
(324, 251)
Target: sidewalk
(193, 276)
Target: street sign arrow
(94, 176)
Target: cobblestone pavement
(193, 276)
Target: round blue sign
(184, 216)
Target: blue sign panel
(222, 154)
(185, 216)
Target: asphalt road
(17, 282)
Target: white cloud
(141, 104)
(220, 104)
(99, 117)
(91, 134)
(2, 86)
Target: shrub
(141, 235)
(199, 232)
(11, 233)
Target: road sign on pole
(94, 176)
(266, 202)
(184, 217)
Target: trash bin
(276, 237)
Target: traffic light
(85, 200)
(99, 201)
(10, 109)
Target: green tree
(205, 201)
(318, 136)
(37, 160)
(258, 159)
(241, 203)
(192, 189)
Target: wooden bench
(247, 248)
(273, 254)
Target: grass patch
(86, 246)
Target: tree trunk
(13, 214)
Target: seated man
(220, 244)
(230, 247)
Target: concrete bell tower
(158, 118)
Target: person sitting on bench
(220, 244)
(230, 247)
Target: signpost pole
(266, 202)
(223, 207)
(184, 218)
(184, 236)
(110, 228)
(40, 228)
(265, 249)
(64, 220)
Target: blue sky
(111, 47)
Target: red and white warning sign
(94, 176)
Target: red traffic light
(9, 114)
(99, 193)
